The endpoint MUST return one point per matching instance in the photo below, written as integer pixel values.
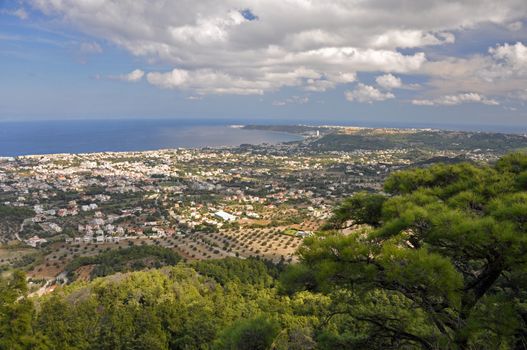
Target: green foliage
(362, 208)
(251, 271)
(170, 308)
(11, 218)
(420, 140)
(450, 253)
(15, 213)
(440, 265)
(253, 334)
(129, 259)
(16, 316)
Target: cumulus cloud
(501, 72)
(251, 47)
(310, 73)
(411, 38)
(211, 81)
(389, 81)
(134, 76)
(454, 100)
(238, 42)
(514, 56)
(367, 94)
(206, 81)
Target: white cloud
(513, 55)
(502, 72)
(352, 59)
(206, 81)
(454, 100)
(389, 81)
(411, 38)
(209, 81)
(211, 47)
(133, 76)
(272, 76)
(366, 93)
(214, 38)
(343, 77)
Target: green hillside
(436, 261)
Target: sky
(370, 61)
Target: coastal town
(245, 201)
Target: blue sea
(96, 135)
(85, 136)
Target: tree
(362, 208)
(16, 316)
(445, 268)
(254, 334)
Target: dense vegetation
(438, 140)
(130, 259)
(293, 129)
(12, 218)
(169, 308)
(444, 267)
(440, 262)
(15, 213)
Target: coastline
(123, 136)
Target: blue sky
(427, 62)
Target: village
(251, 200)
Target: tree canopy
(438, 262)
(443, 266)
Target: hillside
(437, 261)
(374, 139)
(11, 219)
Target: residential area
(203, 203)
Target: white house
(35, 240)
(225, 216)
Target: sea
(120, 135)
(88, 136)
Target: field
(274, 244)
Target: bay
(85, 136)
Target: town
(246, 201)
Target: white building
(35, 240)
(225, 216)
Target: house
(54, 227)
(35, 241)
(303, 234)
(225, 216)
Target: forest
(438, 260)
